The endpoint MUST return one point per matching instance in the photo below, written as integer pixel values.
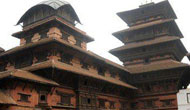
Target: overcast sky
(98, 19)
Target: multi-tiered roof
(152, 39)
(50, 40)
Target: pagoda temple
(52, 69)
(152, 53)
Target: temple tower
(51, 19)
(152, 52)
(52, 69)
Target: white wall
(183, 98)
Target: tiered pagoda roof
(152, 38)
(56, 31)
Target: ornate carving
(54, 32)
(36, 37)
(72, 40)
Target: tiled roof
(156, 66)
(25, 75)
(6, 99)
(161, 8)
(48, 40)
(77, 70)
(123, 33)
(140, 26)
(146, 43)
(52, 18)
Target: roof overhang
(129, 16)
(6, 99)
(52, 4)
(62, 42)
(50, 19)
(157, 66)
(25, 75)
(123, 33)
(79, 71)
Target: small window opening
(147, 60)
(89, 101)
(85, 82)
(43, 98)
(101, 72)
(24, 97)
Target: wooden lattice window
(101, 103)
(65, 100)
(166, 103)
(113, 75)
(146, 60)
(88, 101)
(112, 104)
(134, 105)
(65, 36)
(84, 65)
(123, 105)
(24, 97)
(43, 34)
(149, 103)
(42, 56)
(23, 61)
(101, 71)
(78, 42)
(66, 58)
(43, 97)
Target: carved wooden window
(43, 97)
(78, 42)
(166, 86)
(85, 82)
(88, 101)
(101, 103)
(101, 71)
(66, 58)
(24, 97)
(65, 100)
(112, 104)
(41, 56)
(43, 34)
(134, 105)
(113, 75)
(149, 104)
(23, 61)
(147, 88)
(123, 105)
(83, 101)
(84, 65)
(166, 102)
(147, 61)
(65, 36)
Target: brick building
(53, 70)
